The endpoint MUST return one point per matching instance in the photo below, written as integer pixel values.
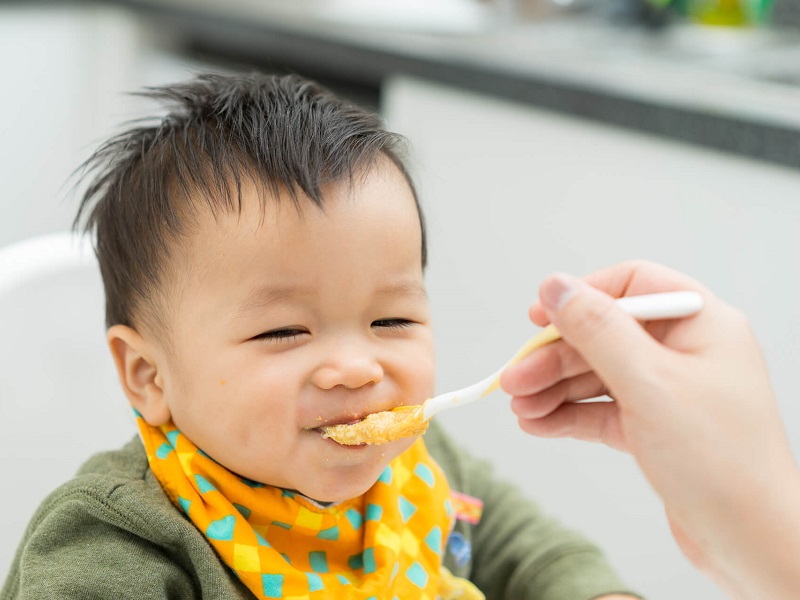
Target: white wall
(66, 75)
(64, 71)
(513, 193)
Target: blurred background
(546, 135)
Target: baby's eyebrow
(404, 288)
(262, 297)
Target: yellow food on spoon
(380, 428)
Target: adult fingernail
(557, 290)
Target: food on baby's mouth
(379, 428)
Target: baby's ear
(139, 374)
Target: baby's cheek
(425, 383)
(418, 374)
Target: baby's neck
(319, 503)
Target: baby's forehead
(363, 253)
(252, 202)
(213, 226)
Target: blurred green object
(726, 13)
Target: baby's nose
(351, 368)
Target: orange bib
(386, 543)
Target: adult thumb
(612, 342)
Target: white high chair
(60, 400)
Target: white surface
(429, 16)
(65, 74)
(513, 194)
(25, 262)
(60, 401)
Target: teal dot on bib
(332, 533)
(318, 562)
(172, 436)
(184, 504)
(221, 529)
(417, 575)
(163, 451)
(272, 584)
(203, 484)
(407, 509)
(243, 510)
(314, 582)
(369, 561)
(424, 472)
(356, 561)
(386, 476)
(354, 517)
(374, 512)
(251, 483)
(434, 540)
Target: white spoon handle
(647, 307)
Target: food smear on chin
(379, 428)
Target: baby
(262, 250)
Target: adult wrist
(762, 555)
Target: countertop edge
(308, 49)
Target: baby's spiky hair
(285, 134)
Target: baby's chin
(333, 494)
(341, 486)
(338, 485)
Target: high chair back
(60, 400)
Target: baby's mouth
(338, 424)
(326, 425)
(341, 423)
(333, 422)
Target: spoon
(407, 421)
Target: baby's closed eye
(395, 323)
(284, 334)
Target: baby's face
(292, 320)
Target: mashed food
(380, 428)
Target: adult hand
(691, 401)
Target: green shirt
(112, 532)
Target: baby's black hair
(285, 134)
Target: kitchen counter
(733, 90)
